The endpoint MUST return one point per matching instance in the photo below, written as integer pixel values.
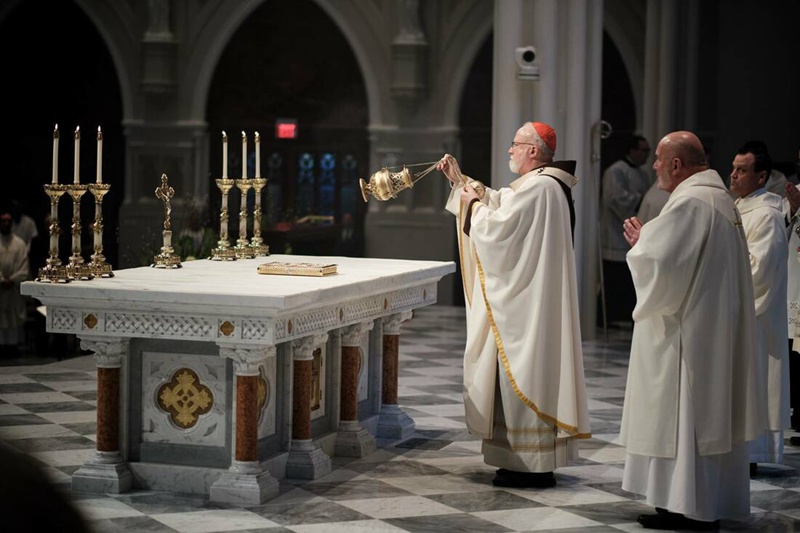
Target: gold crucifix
(165, 194)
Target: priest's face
(519, 153)
(744, 178)
(665, 167)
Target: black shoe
(524, 480)
(667, 520)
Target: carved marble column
(306, 459)
(108, 472)
(352, 440)
(393, 422)
(245, 482)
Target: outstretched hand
(449, 167)
(631, 228)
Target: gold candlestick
(257, 243)
(223, 251)
(77, 269)
(167, 257)
(54, 271)
(100, 268)
(242, 248)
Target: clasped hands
(630, 230)
(449, 167)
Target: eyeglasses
(514, 144)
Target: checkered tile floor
(435, 481)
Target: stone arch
(220, 21)
(474, 23)
(112, 21)
(624, 23)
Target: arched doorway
(68, 79)
(272, 70)
(618, 106)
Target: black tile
(424, 444)
(449, 523)
(58, 407)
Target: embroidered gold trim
(499, 342)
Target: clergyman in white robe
(523, 325)
(13, 271)
(765, 231)
(691, 400)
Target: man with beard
(524, 390)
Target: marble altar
(217, 380)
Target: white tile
(348, 527)
(399, 507)
(36, 397)
(73, 386)
(424, 422)
(425, 485)
(70, 417)
(536, 519)
(562, 495)
(36, 431)
(66, 457)
(11, 409)
(16, 377)
(103, 508)
(607, 455)
(446, 409)
(213, 520)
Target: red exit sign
(286, 128)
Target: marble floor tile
(434, 481)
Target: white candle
(76, 176)
(99, 155)
(244, 155)
(55, 155)
(258, 155)
(224, 155)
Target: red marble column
(351, 362)
(393, 422)
(108, 409)
(391, 344)
(246, 418)
(301, 402)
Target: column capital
(108, 351)
(303, 349)
(352, 335)
(246, 358)
(391, 323)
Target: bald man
(691, 400)
(524, 390)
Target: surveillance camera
(528, 67)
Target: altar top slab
(238, 284)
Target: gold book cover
(296, 269)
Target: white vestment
(776, 183)
(518, 268)
(694, 333)
(765, 230)
(13, 268)
(624, 186)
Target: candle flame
(243, 134)
(78, 132)
(258, 137)
(99, 134)
(55, 132)
(224, 136)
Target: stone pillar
(109, 471)
(569, 62)
(352, 440)
(306, 459)
(393, 422)
(246, 482)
